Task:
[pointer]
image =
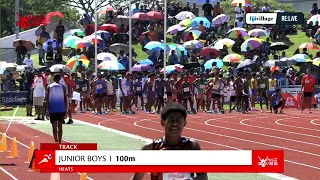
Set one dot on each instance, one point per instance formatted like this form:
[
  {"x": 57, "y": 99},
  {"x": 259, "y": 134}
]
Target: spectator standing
[
  {"x": 58, "y": 57},
  {"x": 266, "y": 8},
  {"x": 136, "y": 9},
  {"x": 207, "y": 8},
  {"x": 28, "y": 61},
  {"x": 10, "y": 83},
  {"x": 187, "y": 8},
  {"x": 49, "y": 56},
  {"x": 195, "y": 9},
  {"x": 21, "y": 51},
  {"x": 60, "y": 30},
  {"x": 153, "y": 57},
  {"x": 184, "y": 59},
  {"x": 239, "y": 11},
  {"x": 256, "y": 8},
  {"x": 217, "y": 10},
  {"x": 39, "y": 94},
  {"x": 44, "y": 36},
  {"x": 173, "y": 58}
]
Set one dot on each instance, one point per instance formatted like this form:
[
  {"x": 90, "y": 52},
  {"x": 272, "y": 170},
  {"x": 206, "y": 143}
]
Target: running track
[{"x": 297, "y": 134}]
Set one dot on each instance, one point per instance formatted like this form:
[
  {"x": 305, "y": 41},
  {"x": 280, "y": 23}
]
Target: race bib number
[
  {"x": 307, "y": 81},
  {"x": 262, "y": 85},
  {"x": 272, "y": 89},
  {"x": 99, "y": 86},
  {"x": 138, "y": 88},
  {"x": 215, "y": 87},
  {"x": 175, "y": 176},
  {"x": 202, "y": 86},
  {"x": 77, "y": 86},
  {"x": 84, "y": 88},
  {"x": 186, "y": 89}
]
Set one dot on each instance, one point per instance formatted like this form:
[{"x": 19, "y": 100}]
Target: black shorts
[
  {"x": 186, "y": 98},
  {"x": 232, "y": 98},
  {"x": 160, "y": 98},
  {"x": 307, "y": 94},
  {"x": 239, "y": 96},
  {"x": 56, "y": 117},
  {"x": 169, "y": 93},
  {"x": 276, "y": 107},
  {"x": 215, "y": 95},
  {"x": 100, "y": 96}
]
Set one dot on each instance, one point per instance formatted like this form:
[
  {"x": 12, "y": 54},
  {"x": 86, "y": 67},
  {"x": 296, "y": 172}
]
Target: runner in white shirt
[
  {"x": 239, "y": 11},
  {"x": 28, "y": 61}
]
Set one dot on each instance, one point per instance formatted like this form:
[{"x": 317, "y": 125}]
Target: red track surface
[
  {"x": 20, "y": 169},
  {"x": 297, "y": 134}
]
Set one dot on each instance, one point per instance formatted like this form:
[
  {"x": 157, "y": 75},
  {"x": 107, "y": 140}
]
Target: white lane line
[
  {"x": 14, "y": 178},
  {"x": 313, "y": 122},
  {"x": 310, "y": 129},
  {"x": 271, "y": 129},
  {"x": 259, "y": 134}
]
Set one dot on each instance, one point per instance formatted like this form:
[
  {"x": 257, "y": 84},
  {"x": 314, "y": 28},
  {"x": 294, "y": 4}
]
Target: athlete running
[{"x": 173, "y": 119}]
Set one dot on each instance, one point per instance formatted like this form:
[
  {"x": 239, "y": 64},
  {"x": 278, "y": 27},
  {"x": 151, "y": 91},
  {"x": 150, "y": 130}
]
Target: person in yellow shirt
[
  {"x": 43, "y": 37},
  {"x": 272, "y": 86}
]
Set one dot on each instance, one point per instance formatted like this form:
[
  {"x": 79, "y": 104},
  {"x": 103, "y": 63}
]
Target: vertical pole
[
  {"x": 17, "y": 18},
  {"x": 95, "y": 34},
  {"x": 165, "y": 39},
  {"x": 130, "y": 38}
]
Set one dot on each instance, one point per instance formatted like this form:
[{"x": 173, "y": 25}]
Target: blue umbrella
[
  {"x": 54, "y": 44},
  {"x": 208, "y": 64},
  {"x": 196, "y": 22},
  {"x": 111, "y": 66},
  {"x": 146, "y": 61}
]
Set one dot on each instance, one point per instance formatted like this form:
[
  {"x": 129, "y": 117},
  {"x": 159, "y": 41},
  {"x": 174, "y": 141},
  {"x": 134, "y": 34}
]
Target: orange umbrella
[
  {"x": 28, "y": 44},
  {"x": 309, "y": 46}
]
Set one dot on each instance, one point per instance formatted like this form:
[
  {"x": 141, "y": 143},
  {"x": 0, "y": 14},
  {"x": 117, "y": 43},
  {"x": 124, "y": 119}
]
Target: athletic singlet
[
  {"x": 78, "y": 84},
  {"x": 186, "y": 90},
  {"x": 84, "y": 85},
  {"x": 123, "y": 84},
  {"x": 138, "y": 86},
  {"x": 99, "y": 86},
  {"x": 216, "y": 86},
  {"x": 276, "y": 99},
  {"x": 272, "y": 84},
  {"x": 56, "y": 98},
  {"x": 109, "y": 87},
  {"x": 201, "y": 85},
  {"x": 185, "y": 144},
  {"x": 160, "y": 88},
  {"x": 231, "y": 89},
  {"x": 151, "y": 89},
  {"x": 128, "y": 86}
]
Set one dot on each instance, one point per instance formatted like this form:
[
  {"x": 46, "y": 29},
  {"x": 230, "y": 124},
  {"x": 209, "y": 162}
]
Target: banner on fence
[{"x": 14, "y": 98}]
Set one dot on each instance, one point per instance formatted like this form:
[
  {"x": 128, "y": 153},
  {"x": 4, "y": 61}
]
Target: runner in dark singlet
[
  {"x": 173, "y": 119},
  {"x": 238, "y": 83}
]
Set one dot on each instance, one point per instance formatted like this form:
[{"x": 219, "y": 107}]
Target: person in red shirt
[{"x": 308, "y": 83}]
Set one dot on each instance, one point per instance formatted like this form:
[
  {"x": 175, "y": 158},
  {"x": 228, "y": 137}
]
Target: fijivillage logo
[{"x": 30, "y": 20}]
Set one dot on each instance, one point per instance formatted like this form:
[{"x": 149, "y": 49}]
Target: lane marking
[
  {"x": 277, "y": 122},
  {"x": 14, "y": 178},
  {"x": 313, "y": 122}
]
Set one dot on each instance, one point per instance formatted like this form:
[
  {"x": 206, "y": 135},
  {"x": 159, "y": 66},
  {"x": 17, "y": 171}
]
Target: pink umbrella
[
  {"x": 155, "y": 15},
  {"x": 141, "y": 16}
]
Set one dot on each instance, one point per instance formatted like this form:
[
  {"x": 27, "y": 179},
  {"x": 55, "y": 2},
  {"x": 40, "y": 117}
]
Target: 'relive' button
[{"x": 287, "y": 18}]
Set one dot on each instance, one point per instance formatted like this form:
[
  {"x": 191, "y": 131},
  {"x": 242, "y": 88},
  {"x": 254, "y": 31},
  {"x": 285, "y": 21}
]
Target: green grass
[
  {"x": 79, "y": 133},
  {"x": 20, "y": 112}
]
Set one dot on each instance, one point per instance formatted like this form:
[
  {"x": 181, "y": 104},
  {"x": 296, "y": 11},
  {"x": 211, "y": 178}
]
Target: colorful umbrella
[
  {"x": 193, "y": 44},
  {"x": 142, "y": 67},
  {"x": 186, "y": 22},
  {"x": 106, "y": 57},
  {"x": 172, "y": 68},
  {"x": 236, "y": 3},
  {"x": 206, "y": 51},
  {"x": 223, "y": 42},
  {"x": 258, "y": 33},
  {"x": 102, "y": 34},
  {"x": 314, "y": 19},
  {"x": 178, "y": 49},
  {"x": 196, "y": 22},
  {"x": 316, "y": 62},
  {"x": 71, "y": 40},
  {"x": 111, "y": 66},
  {"x": 235, "y": 32},
  {"x": 154, "y": 45},
  {"x": 117, "y": 47},
  {"x": 74, "y": 62},
  {"x": 112, "y": 28},
  {"x": 28, "y": 44},
  {"x": 155, "y": 15},
  {"x": 106, "y": 9},
  {"x": 59, "y": 67},
  {"x": 246, "y": 63},
  {"x": 195, "y": 33},
  {"x": 220, "y": 19},
  {"x": 213, "y": 62},
  {"x": 301, "y": 58},
  {"x": 145, "y": 61},
  {"x": 185, "y": 15},
  {"x": 141, "y": 16},
  {"x": 252, "y": 43},
  {"x": 232, "y": 58},
  {"x": 176, "y": 28},
  {"x": 81, "y": 44},
  {"x": 74, "y": 32},
  {"x": 120, "y": 19},
  {"x": 309, "y": 46},
  {"x": 92, "y": 38},
  {"x": 53, "y": 17},
  {"x": 54, "y": 44}
]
